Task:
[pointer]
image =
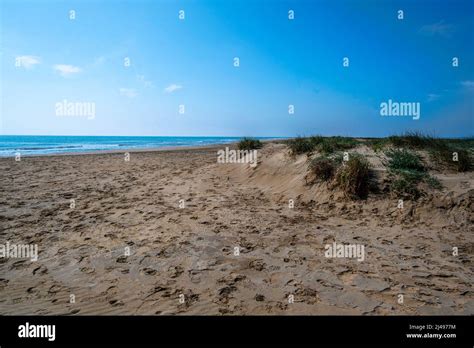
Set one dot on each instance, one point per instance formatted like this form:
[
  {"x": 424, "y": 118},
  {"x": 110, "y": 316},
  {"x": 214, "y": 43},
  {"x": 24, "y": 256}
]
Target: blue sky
[{"x": 282, "y": 62}]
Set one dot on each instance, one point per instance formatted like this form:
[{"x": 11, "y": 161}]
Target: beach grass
[
  {"x": 249, "y": 144},
  {"x": 403, "y": 157},
  {"x": 353, "y": 177},
  {"x": 324, "y": 145}
]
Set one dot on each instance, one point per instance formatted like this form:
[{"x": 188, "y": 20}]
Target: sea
[{"x": 34, "y": 145}]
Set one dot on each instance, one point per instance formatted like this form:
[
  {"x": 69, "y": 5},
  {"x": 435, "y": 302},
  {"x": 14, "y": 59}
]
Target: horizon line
[{"x": 230, "y": 136}]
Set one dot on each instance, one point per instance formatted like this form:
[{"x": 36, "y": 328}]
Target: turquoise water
[{"x": 30, "y": 145}]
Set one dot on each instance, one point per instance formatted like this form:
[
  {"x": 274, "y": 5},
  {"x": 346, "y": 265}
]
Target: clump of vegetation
[
  {"x": 333, "y": 144},
  {"x": 406, "y": 169},
  {"x": 325, "y": 145},
  {"x": 323, "y": 168},
  {"x": 300, "y": 146},
  {"x": 454, "y": 157},
  {"x": 441, "y": 150},
  {"x": 249, "y": 144},
  {"x": 414, "y": 140},
  {"x": 404, "y": 160},
  {"x": 404, "y": 186},
  {"x": 377, "y": 144},
  {"x": 353, "y": 177},
  {"x": 406, "y": 173},
  {"x": 433, "y": 182}
]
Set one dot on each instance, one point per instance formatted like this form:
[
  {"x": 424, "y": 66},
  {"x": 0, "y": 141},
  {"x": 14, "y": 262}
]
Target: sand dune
[{"x": 190, "y": 250}]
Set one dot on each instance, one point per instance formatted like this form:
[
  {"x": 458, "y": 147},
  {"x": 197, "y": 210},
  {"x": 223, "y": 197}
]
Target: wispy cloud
[
  {"x": 128, "y": 92},
  {"x": 99, "y": 61},
  {"x": 67, "y": 70},
  {"x": 143, "y": 80},
  {"x": 439, "y": 28},
  {"x": 468, "y": 84},
  {"x": 27, "y": 62},
  {"x": 173, "y": 87},
  {"x": 433, "y": 97}
]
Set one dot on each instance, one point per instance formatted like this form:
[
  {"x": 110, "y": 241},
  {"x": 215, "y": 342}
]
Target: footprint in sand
[
  {"x": 116, "y": 303},
  {"x": 87, "y": 270},
  {"x": 40, "y": 270},
  {"x": 224, "y": 293},
  {"x": 122, "y": 259},
  {"x": 175, "y": 271},
  {"x": 54, "y": 289},
  {"x": 3, "y": 283},
  {"x": 257, "y": 265},
  {"x": 148, "y": 271},
  {"x": 18, "y": 265}
]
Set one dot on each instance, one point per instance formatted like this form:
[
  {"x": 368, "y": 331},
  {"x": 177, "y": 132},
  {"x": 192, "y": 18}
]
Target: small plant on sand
[
  {"x": 332, "y": 144},
  {"x": 433, "y": 182},
  {"x": 323, "y": 168},
  {"x": 326, "y": 147},
  {"x": 464, "y": 162},
  {"x": 404, "y": 186},
  {"x": 377, "y": 144},
  {"x": 299, "y": 146},
  {"x": 404, "y": 160},
  {"x": 316, "y": 140},
  {"x": 249, "y": 144},
  {"x": 406, "y": 172},
  {"x": 353, "y": 177},
  {"x": 447, "y": 156}
]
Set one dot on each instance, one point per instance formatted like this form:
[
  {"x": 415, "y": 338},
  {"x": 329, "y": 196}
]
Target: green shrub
[
  {"x": 377, "y": 144},
  {"x": 441, "y": 150},
  {"x": 404, "y": 160},
  {"x": 323, "y": 168},
  {"x": 249, "y": 144},
  {"x": 446, "y": 156},
  {"x": 325, "y": 145},
  {"x": 405, "y": 186},
  {"x": 406, "y": 172},
  {"x": 464, "y": 162},
  {"x": 316, "y": 140},
  {"x": 300, "y": 146},
  {"x": 333, "y": 144},
  {"x": 433, "y": 182},
  {"x": 353, "y": 177},
  {"x": 416, "y": 140}
]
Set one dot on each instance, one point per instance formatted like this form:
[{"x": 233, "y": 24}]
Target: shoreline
[{"x": 141, "y": 150}]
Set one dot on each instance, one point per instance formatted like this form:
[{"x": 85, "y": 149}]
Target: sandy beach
[{"x": 158, "y": 235}]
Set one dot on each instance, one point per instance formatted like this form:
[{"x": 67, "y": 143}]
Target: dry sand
[{"x": 190, "y": 251}]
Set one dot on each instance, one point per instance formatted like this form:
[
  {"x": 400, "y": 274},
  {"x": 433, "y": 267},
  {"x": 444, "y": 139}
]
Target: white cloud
[
  {"x": 173, "y": 87},
  {"x": 439, "y": 28},
  {"x": 26, "y": 62},
  {"x": 128, "y": 92},
  {"x": 66, "y": 70}
]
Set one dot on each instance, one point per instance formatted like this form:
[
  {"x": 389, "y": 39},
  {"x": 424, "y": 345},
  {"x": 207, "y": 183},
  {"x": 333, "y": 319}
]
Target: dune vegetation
[{"x": 410, "y": 161}]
